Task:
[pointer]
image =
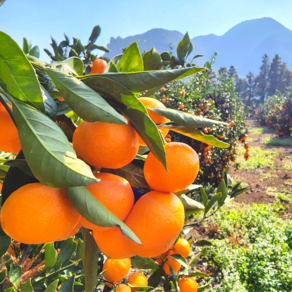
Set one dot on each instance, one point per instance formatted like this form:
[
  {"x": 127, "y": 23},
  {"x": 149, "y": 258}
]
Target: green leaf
[
  {"x": 145, "y": 288},
  {"x": 68, "y": 285},
  {"x": 198, "y": 275},
  {"x": 17, "y": 74},
  {"x": 3, "y": 275},
  {"x": 203, "y": 242},
  {"x": 53, "y": 286},
  {"x": 204, "y": 287},
  {"x": 148, "y": 131},
  {"x": 143, "y": 263},
  {"x": 25, "y": 46},
  {"x": 188, "y": 190},
  {"x": 155, "y": 279},
  {"x": 204, "y": 196},
  {"x": 75, "y": 64},
  {"x": 185, "y": 119},
  {"x": 15, "y": 275},
  {"x": 90, "y": 260},
  {"x": 79, "y": 249},
  {"x": 195, "y": 134},
  {"x": 194, "y": 261},
  {"x": 191, "y": 205},
  {"x": 84, "y": 101},
  {"x": 95, "y": 212},
  {"x": 165, "y": 56},
  {"x": 180, "y": 259},
  {"x": 152, "y": 60},
  {"x": 212, "y": 201},
  {"x": 131, "y": 60},
  {"x": 90, "y": 47},
  {"x": 114, "y": 61},
  {"x": 67, "y": 249},
  {"x": 35, "y": 51},
  {"x": 140, "y": 81},
  {"x": 95, "y": 33},
  {"x": 47, "y": 150},
  {"x": 5, "y": 242},
  {"x": 51, "y": 255},
  {"x": 224, "y": 191},
  {"x": 27, "y": 287},
  {"x": 11, "y": 289},
  {"x": 116, "y": 92},
  {"x": 183, "y": 46},
  {"x": 239, "y": 192},
  {"x": 50, "y": 105}
]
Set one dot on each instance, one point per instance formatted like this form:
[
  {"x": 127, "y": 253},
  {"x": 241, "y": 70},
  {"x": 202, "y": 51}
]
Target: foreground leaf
[
  {"x": 143, "y": 263},
  {"x": 67, "y": 249},
  {"x": 196, "y": 134},
  {"x": 51, "y": 255},
  {"x": 75, "y": 64},
  {"x": 5, "y": 242},
  {"x": 26, "y": 287},
  {"x": 84, "y": 101},
  {"x": 52, "y": 287},
  {"x": 95, "y": 212},
  {"x": 15, "y": 275},
  {"x": 152, "y": 60},
  {"x": 191, "y": 205},
  {"x": 68, "y": 285},
  {"x": 140, "y": 81},
  {"x": 3, "y": 275},
  {"x": 47, "y": 151},
  {"x": 17, "y": 74}
]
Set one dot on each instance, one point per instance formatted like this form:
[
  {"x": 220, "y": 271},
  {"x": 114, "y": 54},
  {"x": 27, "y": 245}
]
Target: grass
[
  {"x": 258, "y": 158},
  {"x": 287, "y": 166},
  {"x": 266, "y": 176},
  {"x": 282, "y": 196},
  {"x": 249, "y": 139},
  {"x": 278, "y": 141},
  {"x": 288, "y": 182},
  {"x": 259, "y": 131}
]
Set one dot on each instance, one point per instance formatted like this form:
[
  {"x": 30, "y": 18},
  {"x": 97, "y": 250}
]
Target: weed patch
[{"x": 278, "y": 141}]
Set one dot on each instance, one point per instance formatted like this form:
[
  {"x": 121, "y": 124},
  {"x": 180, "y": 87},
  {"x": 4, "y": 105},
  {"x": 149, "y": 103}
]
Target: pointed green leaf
[
  {"x": 5, "y": 242},
  {"x": 25, "y": 46},
  {"x": 180, "y": 259},
  {"x": 90, "y": 47},
  {"x": 188, "y": 189},
  {"x": 68, "y": 285},
  {"x": 36, "y": 62},
  {"x": 148, "y": 131},
  {"x": 35, "y": 51},
  {"x": 95, "y": 33},
  {"x": 115, "y": 61},
  {"x": 140, "y": 81},
  {"x": 183, "y": 46},
  {"x": 67, "y": 249},
  {"x": 190, "y": 49},
  {"x": 204, "y": 196},
  {"x": 198, "y": 275},
  {"x": 90, "y": 260},
  {"x": 239, "y": 192},
  {"x": 11, "y": 289},
  {"x": 15, "y": 275},
  {"x": 47, "y": 150},
  {"x": 155, "y": 279},
  {"x": 3, "y": 275},
  {"x": 152, "y": 60},
  {"x": 131, "y": 60},
  {"x": 212, "y": 201},
  {"x": 51, "y": 255},
  {"x": 196, "y": 134},
  {"x": 194, "y": 261},
  {"x": 95, "y": 212},
  {"x": 79, "y": 249},
  {"x": 50, "y": 105},
  {"x": 143, "y": 263},
  {"x": 84, "y": 101},
  {"x": 53, "y": 286},
  {"x": 165, "y": 56},
  {"x": 224, "y": 191},
  {"x": 203, "y": 242},
  {"x": 26, "y": 287},
  {"x": 185, "y": 119},
  {"x": 17, "y": 75},
  {"x": 75, "y": 64},
  {"x": 190, "y": 204}
]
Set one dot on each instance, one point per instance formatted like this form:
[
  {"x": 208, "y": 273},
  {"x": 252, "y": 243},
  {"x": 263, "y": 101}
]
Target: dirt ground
[{"x": 280, "y": 178}]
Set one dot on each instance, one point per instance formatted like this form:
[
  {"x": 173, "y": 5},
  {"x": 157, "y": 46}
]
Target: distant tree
[
  {"x": 241, "y": 87},
  {"x": 262, "y": 78},
  {"x": 251, "y": 84},
  {"x": 285, "y": 78},
  {"x": 223, "y": 72},
  {"x": 274, "y": 75},
  {"x": 232, "y": 73}
]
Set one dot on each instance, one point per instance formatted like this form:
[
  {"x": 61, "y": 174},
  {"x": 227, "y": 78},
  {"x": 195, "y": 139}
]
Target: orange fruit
[
  {"x": 111, "y": 177},
  {"x": 36, "y": 214},
  {"x": 152, "y": 102},
  {"x": 116, "y": 270},
  {"x": 1, "y": 185},
  {"x": 171, "y": 262},
  {"x": 105, "y": 145},
  {"x": 113, "y": 243},
  {"x": 118, "y": 198},
  {"x": 188, "y": 284},
  {"x": 9, "y": 141},
  {"x": 182, "y": 247},
  {"x": 72, "y": 232},
  {"x": 157, "y": 219},
  {"x": 61, "y": 98},
  {"x": 137, "y": 280},
  {"x": 183, "y": 167},
  {"x": 98, "y": 66},
  {"x": 181, "y": 106},
  {"x": 123, "y": 288},
  {"x": 163, "y": 256}
]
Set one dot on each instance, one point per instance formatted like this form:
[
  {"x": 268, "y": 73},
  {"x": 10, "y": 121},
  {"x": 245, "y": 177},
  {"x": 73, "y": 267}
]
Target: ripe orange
[
  {"x": 182, "y": 247},
  {"x": 171, "y": 262},
  {"x": 116, "y": 270},
  {"x": 123, "y": 288},
  {"x": 188, "y": 284},
  {"x": 116, "y": 197},
  {"x": 111, "y": 177},
  {"x": 36, "y": 214},
  {"x": 137, "y": 280},
  {"x": 157, "y": 219},
  {"x": 9, "y": 141},
  {"x": 72, "y": 232},
  {"x": 113, "y": 243},
  {"x": 183, "y": 166},
  {"x": 105, "y": 145},
  {"x": 98, "y": 66}
]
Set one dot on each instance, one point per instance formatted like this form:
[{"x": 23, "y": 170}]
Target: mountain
[{"x": 242, "y": 46}]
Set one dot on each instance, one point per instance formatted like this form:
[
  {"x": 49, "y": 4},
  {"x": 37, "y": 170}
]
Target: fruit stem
[{"x": 7, "y": 108}]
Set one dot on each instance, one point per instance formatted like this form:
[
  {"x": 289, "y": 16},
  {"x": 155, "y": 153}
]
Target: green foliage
[
  {"x": 251, "y": 250},
  {"x": 278, "y": 142}
]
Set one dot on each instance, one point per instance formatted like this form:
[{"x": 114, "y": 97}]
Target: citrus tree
[{"x": 77, "y": 151}]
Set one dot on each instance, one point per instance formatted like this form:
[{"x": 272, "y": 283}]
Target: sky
[{"x": 38, "y": 20}]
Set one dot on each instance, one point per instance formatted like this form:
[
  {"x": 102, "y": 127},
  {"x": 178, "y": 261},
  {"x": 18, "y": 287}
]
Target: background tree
[
  {"x": 274, "y": 75},
  {"x": 285, "y": 78},
  {"x": 262, "y": 78},
  {"x": 232, "y": 72},
  {"x": 251, "y": 84}
]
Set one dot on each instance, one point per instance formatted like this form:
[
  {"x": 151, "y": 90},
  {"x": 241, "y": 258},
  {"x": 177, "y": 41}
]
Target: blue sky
[{"x": 38, "y": 20}]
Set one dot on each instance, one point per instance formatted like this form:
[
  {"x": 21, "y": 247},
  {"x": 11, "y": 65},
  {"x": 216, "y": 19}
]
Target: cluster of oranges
[
  {"x": 157, "y": 218},
  {"x": 246, "y": 154}
]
